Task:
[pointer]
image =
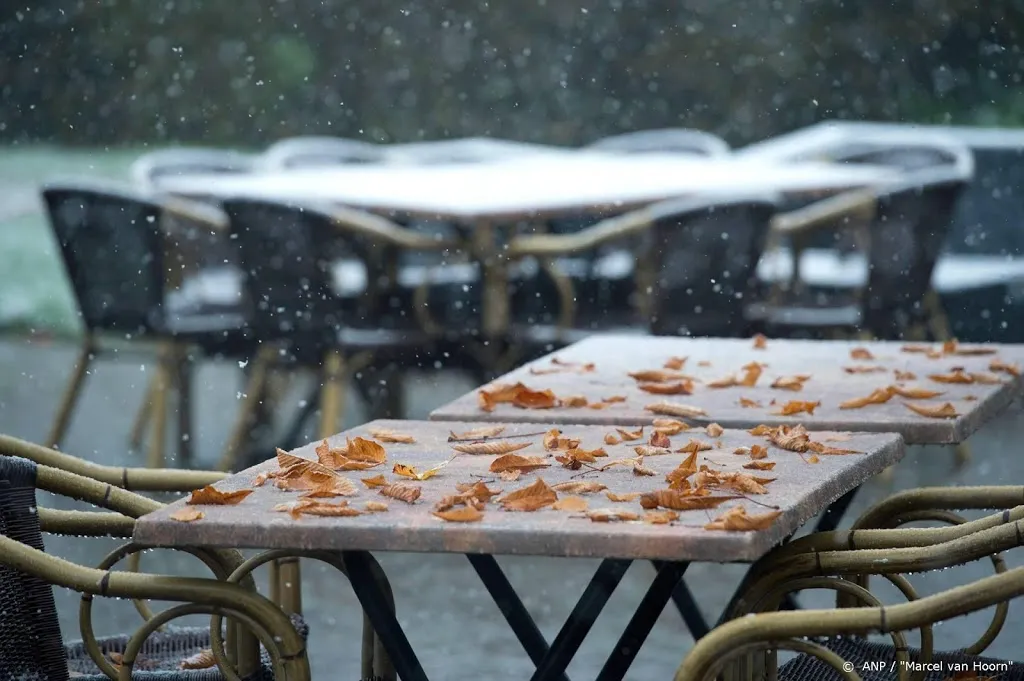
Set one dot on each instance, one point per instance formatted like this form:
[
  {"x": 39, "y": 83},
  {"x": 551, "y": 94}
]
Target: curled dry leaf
[
  {"x": 401, "y": 491},
  {"x": 936, "y": 411},
  {"x": 460, "y": 514},
  {"x": 575, "y": 458},
  {"x": 496, "y": 447},
  {"x": 983, "y": 378},
  {"x": 322, "y": 509},
  {"x": 409, "y": 472},
  {"x": 367, "y": 451},
  {"x": 759, "y": 465},
  {"x": 878, "y": 396},
  {"x": 913, "y": 393},
  {"x": 570, "y": 402},
  {"x": 953, "y": 347},
  {"x": 790, "y": 438},
  {"x": 630, "y": 435},
  {"x": 676, "y": 500},
  {"x": 354, "y": 456},
  {"x": 524, "y": 464},
  {"x": 572, "y": 504},
  {"x": 517, "y": 395},
  {"x": 612, "y": 496},
  {"x": 639, "y": 470},
  {"x": 375, "y": 481},
  {"x": 749, "y": 404},
  {"x": 794, "y": 407},
  {"x": 211, "y": 496},
  {"x": 553, "y": 441},
  {"x": 794, "y": 383},
  {"x": 611, "y": 439},
  {"x": 904, "y": 375},
  {"x": 511, "y": 475},
  {"x": 659, "y": 439},
  {"x": 530, "y": 498},
  {"x": 742, "y": 451},
  {"x": 955, "y": 376},
  {"x": 737, "y": 520},
  {"x": 824, "y": 449},
  {"x": 204, "y": 659},
  {"x": 729, "y": 381},
  {"x": 321, "y": 493},
  {"x": 477, "y": 490},
  {"x": 611, "y": 515},
  {"x": 1001, "y": 367},
  {"x": 658, "y": 376},
  {"x": 391, "y": 437},
  {"x": 758, "y": 452},
  {"x": 260, "y": 479},
  {"x": 476, "y": 433},
  {"x": 375, "y": 506},
  {"x": 660, "y": 517},
  {"x": 714, "y": 430},
  {"x": 677, "y": 388},
  {"x": 685, "y": 469},
  {"x": 675, "y": 409},
  {"x": 579, "y": 487},
  {"x": 675, "y": 363},
  {"x": 861, "y": 353},
  {"x": 647, "y": 450},
  {"x": 760, "y": 342},
  {"x": 751, "y": 374},
  {"x": 694, "y": 446},
  {"x": 669, "y": 426},
  {"x": 187, "y": 514},
  {"x": 864, "y": 369},
  {"x": 916, "y": 349}
]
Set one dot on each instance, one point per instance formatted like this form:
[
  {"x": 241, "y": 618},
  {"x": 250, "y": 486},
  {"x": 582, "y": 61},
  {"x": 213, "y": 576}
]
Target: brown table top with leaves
[
  {"x": 665, "y": 491},
  {"x": 929, "y": 393}
]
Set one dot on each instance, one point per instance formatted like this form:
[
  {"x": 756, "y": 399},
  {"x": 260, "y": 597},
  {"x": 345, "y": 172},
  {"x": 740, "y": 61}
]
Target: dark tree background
[{"x": 217, "y": 72}]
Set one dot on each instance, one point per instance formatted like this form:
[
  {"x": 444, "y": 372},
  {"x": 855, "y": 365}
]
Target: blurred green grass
[{"x": 34, "y": 292}]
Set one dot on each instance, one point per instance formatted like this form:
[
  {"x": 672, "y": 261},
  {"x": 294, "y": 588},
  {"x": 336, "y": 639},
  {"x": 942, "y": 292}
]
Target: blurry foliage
[{"x": 205, "y": 71}]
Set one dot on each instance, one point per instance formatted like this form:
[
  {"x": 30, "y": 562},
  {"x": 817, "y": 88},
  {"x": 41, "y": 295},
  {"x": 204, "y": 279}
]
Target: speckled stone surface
[
  {"x": 801, "y": 490},
  {"x": 711, "y": 359}
]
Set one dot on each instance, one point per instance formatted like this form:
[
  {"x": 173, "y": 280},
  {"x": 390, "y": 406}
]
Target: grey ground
[{"x": 451, "y": 622}]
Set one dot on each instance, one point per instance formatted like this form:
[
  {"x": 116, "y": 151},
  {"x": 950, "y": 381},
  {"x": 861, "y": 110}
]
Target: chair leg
[
  {"x": 142, "y": 418},
  {"x": 72, "y": 392},
  {"x": 163, "y": 382},
  {"x": 332, "y": 393},
  {"x": 254, "y": 392},
  {"x": 183, "y": 386},
  {"x": 962, "y": 454}
]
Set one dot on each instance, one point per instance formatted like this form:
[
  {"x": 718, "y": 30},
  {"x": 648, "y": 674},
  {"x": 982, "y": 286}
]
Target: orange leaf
[
  {"x": 460, "y": 514},
  {"x": 477, "y": 490},
  {"x": 639, "y": 470},
  {"x": 861, "y": 353},
  {"x": 952, "y": 347},
  {"x": 760, "y": 465},
  {"x": 579, "y": 487},
  {"x": 611, "y": 515},
  {"x": 916, "y": 349},
  {"x": 204, "y": 659},
  {"x": 211, "y": 496},
  {"x": 677, "y": 501},
  {"x": 390, "y": 436},
  {"x": 830, "y": 451},
  {"x": 367, "y": 451},
  {"x": 657, "y": 376},
  {"x": 498, "y": 394},
  {"x": 1000, "y": 366},
  {"x": 982, "y": 378},
  {"x": 553, "y": 441},
  {"x": 497, "y": 447},
  {"x": 400, "y": 491},
  {"x": 647, "y": 450},
  {"x": 516, "y": 462},
  {"x": 714, "y": 430},
  {"x": 630, "y": 435},
  {"x": 760, "y": 342},
  {"x": 675, "y": 409},
  {"x": 694, "y": 446},
  {"x": 726, "y": 382},
  {"x": 914, "y": 393},
  {"x": 793, "y": 439},
  {"x": 632, "y": 496},
  {"x": 511, "y": 475},
  {"x": 904, "y": 375},
  {"x": 737, "y": 520},
  {"x": 954, "y": 376},
  {"x": 572, "y": 504},
  {"x": 530, "y": 498},
  {"x": 338, "y": 458},
  {"x": 794, "y": 383},
  {"x": 758, "y": 452},
  {"x": 797, "y": 407},
  {"x": 323, "y": 509},
  {"x": 879, "y": 396},
  {"x": 678, "y": 388},
  {"x": 410, "y": 472},
  {"x": 863, "y": 369},
  {"x": 659, "y": 439},
  {"x": 751, "y": 374},
  {"x": 938, "y": 411},
  {"x": 669, "y": 426},
  {"x": 749, "y": 404},
  {"x": 611, "y": 439},
  {"x": 525, "y": 398},
  {"x": 375, "y": 481},
  {"x": 321, "y": 493},
  {"x": 477, "y": 433},
  {"x": 571, "y": 402},
  {"x": 375, "y": 506},
  {"x": 660, "y": 517},
  {"x": 187, "y": 514},
  {"x": 675, "y": 363}
]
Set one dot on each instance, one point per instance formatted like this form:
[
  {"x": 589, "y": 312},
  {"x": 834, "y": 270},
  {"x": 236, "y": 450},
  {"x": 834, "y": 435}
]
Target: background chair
[
  {"x": 150, "y": 169},
  {"x": 131, "y": 285},
  {"x": 316, "y": 152},
  {"x": 667, "y": 140}
]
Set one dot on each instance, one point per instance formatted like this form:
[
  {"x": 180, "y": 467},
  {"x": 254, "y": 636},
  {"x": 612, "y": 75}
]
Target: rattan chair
[
  {"x": 316, "y": 152},
  {"x": 667, "y": 140},
  {"x": 149, "y": 170},
  {"x": 842, "y": 561},
  {"x": 132, "y": 285}
]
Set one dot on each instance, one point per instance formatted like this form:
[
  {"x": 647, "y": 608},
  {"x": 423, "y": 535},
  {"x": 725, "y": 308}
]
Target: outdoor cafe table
[
  {"x": 800, "y": 490},
  {"x": 482, "y": 198}
]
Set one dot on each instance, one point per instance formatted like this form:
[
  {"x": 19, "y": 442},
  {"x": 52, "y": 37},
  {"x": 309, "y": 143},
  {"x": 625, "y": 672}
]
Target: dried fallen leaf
[
  {"x": 524, "y": 464},
  {"x": 794, "y": 383},
  {"x": 321, "y": 493},
  {"x": 476, "y": 433},
  {"x": 367, "y": 455},
  {"x": 864, "y": 369},
  {"x": 391, "y": 437},
  {"x": 955, "y": 376},
  {"x": 572, "y": 402},
  {"x": 630, "y": 435},
  {"x": 953, "y": 347},
  {"x": 375, "y": 506},
  {"x": 660, "y": 517},
  {"x": 397, "y": 490},
  {"x": 677, "y": 388},
  {"x": 511, "y": 475},
  {"x": 211, "y": 496},
  {"x": 983, "y": 378},
  {"x": 648, "y": 450},
  {"x": 1001, "y": 367},
  {"x": 204, "y": 659},
  {"x": 749, "y": 404},
  {"x": 477, "y": 490},
  {"x": 187, "y": 514},
  {"x": 916, "y": 349},
  {"x": 659, "y": 439},
  {"x": 675, "y": 363},
  {"x": 579, "y": 487},
  {"x": 861, "y": 353},
  {"x": 904, "y": 375},
  {"x": 675, "y": 409},
  {"x": 694, "y": 446},
  {"x": 878, "y": 396},
  {"x": 758, "y": 452},
  {"x": 611, "y": 515},
  {"x": 632, "y": 496},
  {"x": 553, "y": 441},
  {"x": 725, "y": 382},
  {"x": 496, "y": 447},
  {"x": 375, "y": 481},
  {"x": 572, "y": 504},
  {"x": 737, "y": 520},
  {"x": 759, "y": 465},
  {"x": 760, "y": 342},
  {"x": 676, "y": 500},
  {"x": 657, "y": 376},
  {"x": 324, "y": 509},
  {"x": 530, "y": 498},
  {"x": 751, "y": 374},
  {"x": 794, "y": 407},
  {"x": 460, "y": 514},
  {"x": 611, "y": 439},
  {"x": 367, "y": 451},
  {"x": 640, "y": 471},
  {"x": 913, "y": 393},
  {"x": 669, "y": 426},
  {"x": 261, "y": 479},
  {"x": 714, "y": 430},
  {"x": 793, "y": 439},
  {"x": 824, "y": 449},
  {"x": 409, "y": 472},
  {"x": 938, "y": 411}
]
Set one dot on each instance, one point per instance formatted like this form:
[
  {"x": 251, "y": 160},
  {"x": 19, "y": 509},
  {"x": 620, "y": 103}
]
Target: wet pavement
[{"x": 451, "y": 622}]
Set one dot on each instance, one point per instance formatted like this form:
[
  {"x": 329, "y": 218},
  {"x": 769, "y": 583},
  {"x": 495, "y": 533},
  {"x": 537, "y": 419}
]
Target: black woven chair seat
[
  {"x": 162, "y": 655},
  {"x": 863, "y": 654}
]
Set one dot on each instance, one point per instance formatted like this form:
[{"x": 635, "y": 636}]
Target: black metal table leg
[
  {"x": 511, "y": 607},
  {"x": 371, "y": 598},
  {"x": 687, "y": 606},
  {"x": 663, "y": 588},
  {"x": 581, "y": 619}
]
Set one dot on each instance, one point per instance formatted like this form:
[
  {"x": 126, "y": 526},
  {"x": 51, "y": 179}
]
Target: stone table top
[
  {"x": 803, "y": 486},
  {"x": 598, "y": 368}
]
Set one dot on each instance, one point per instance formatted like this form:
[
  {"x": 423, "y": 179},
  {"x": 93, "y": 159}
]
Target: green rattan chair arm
[
  {"x": 718, "y": 646},
  {"x": 859, "y": 205},
  {"x": 882, "y": 514},
  {"x": 555, "y": 245},
  {"x": 85, "y": 523},
  {"x": 140, "y": 479}
]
